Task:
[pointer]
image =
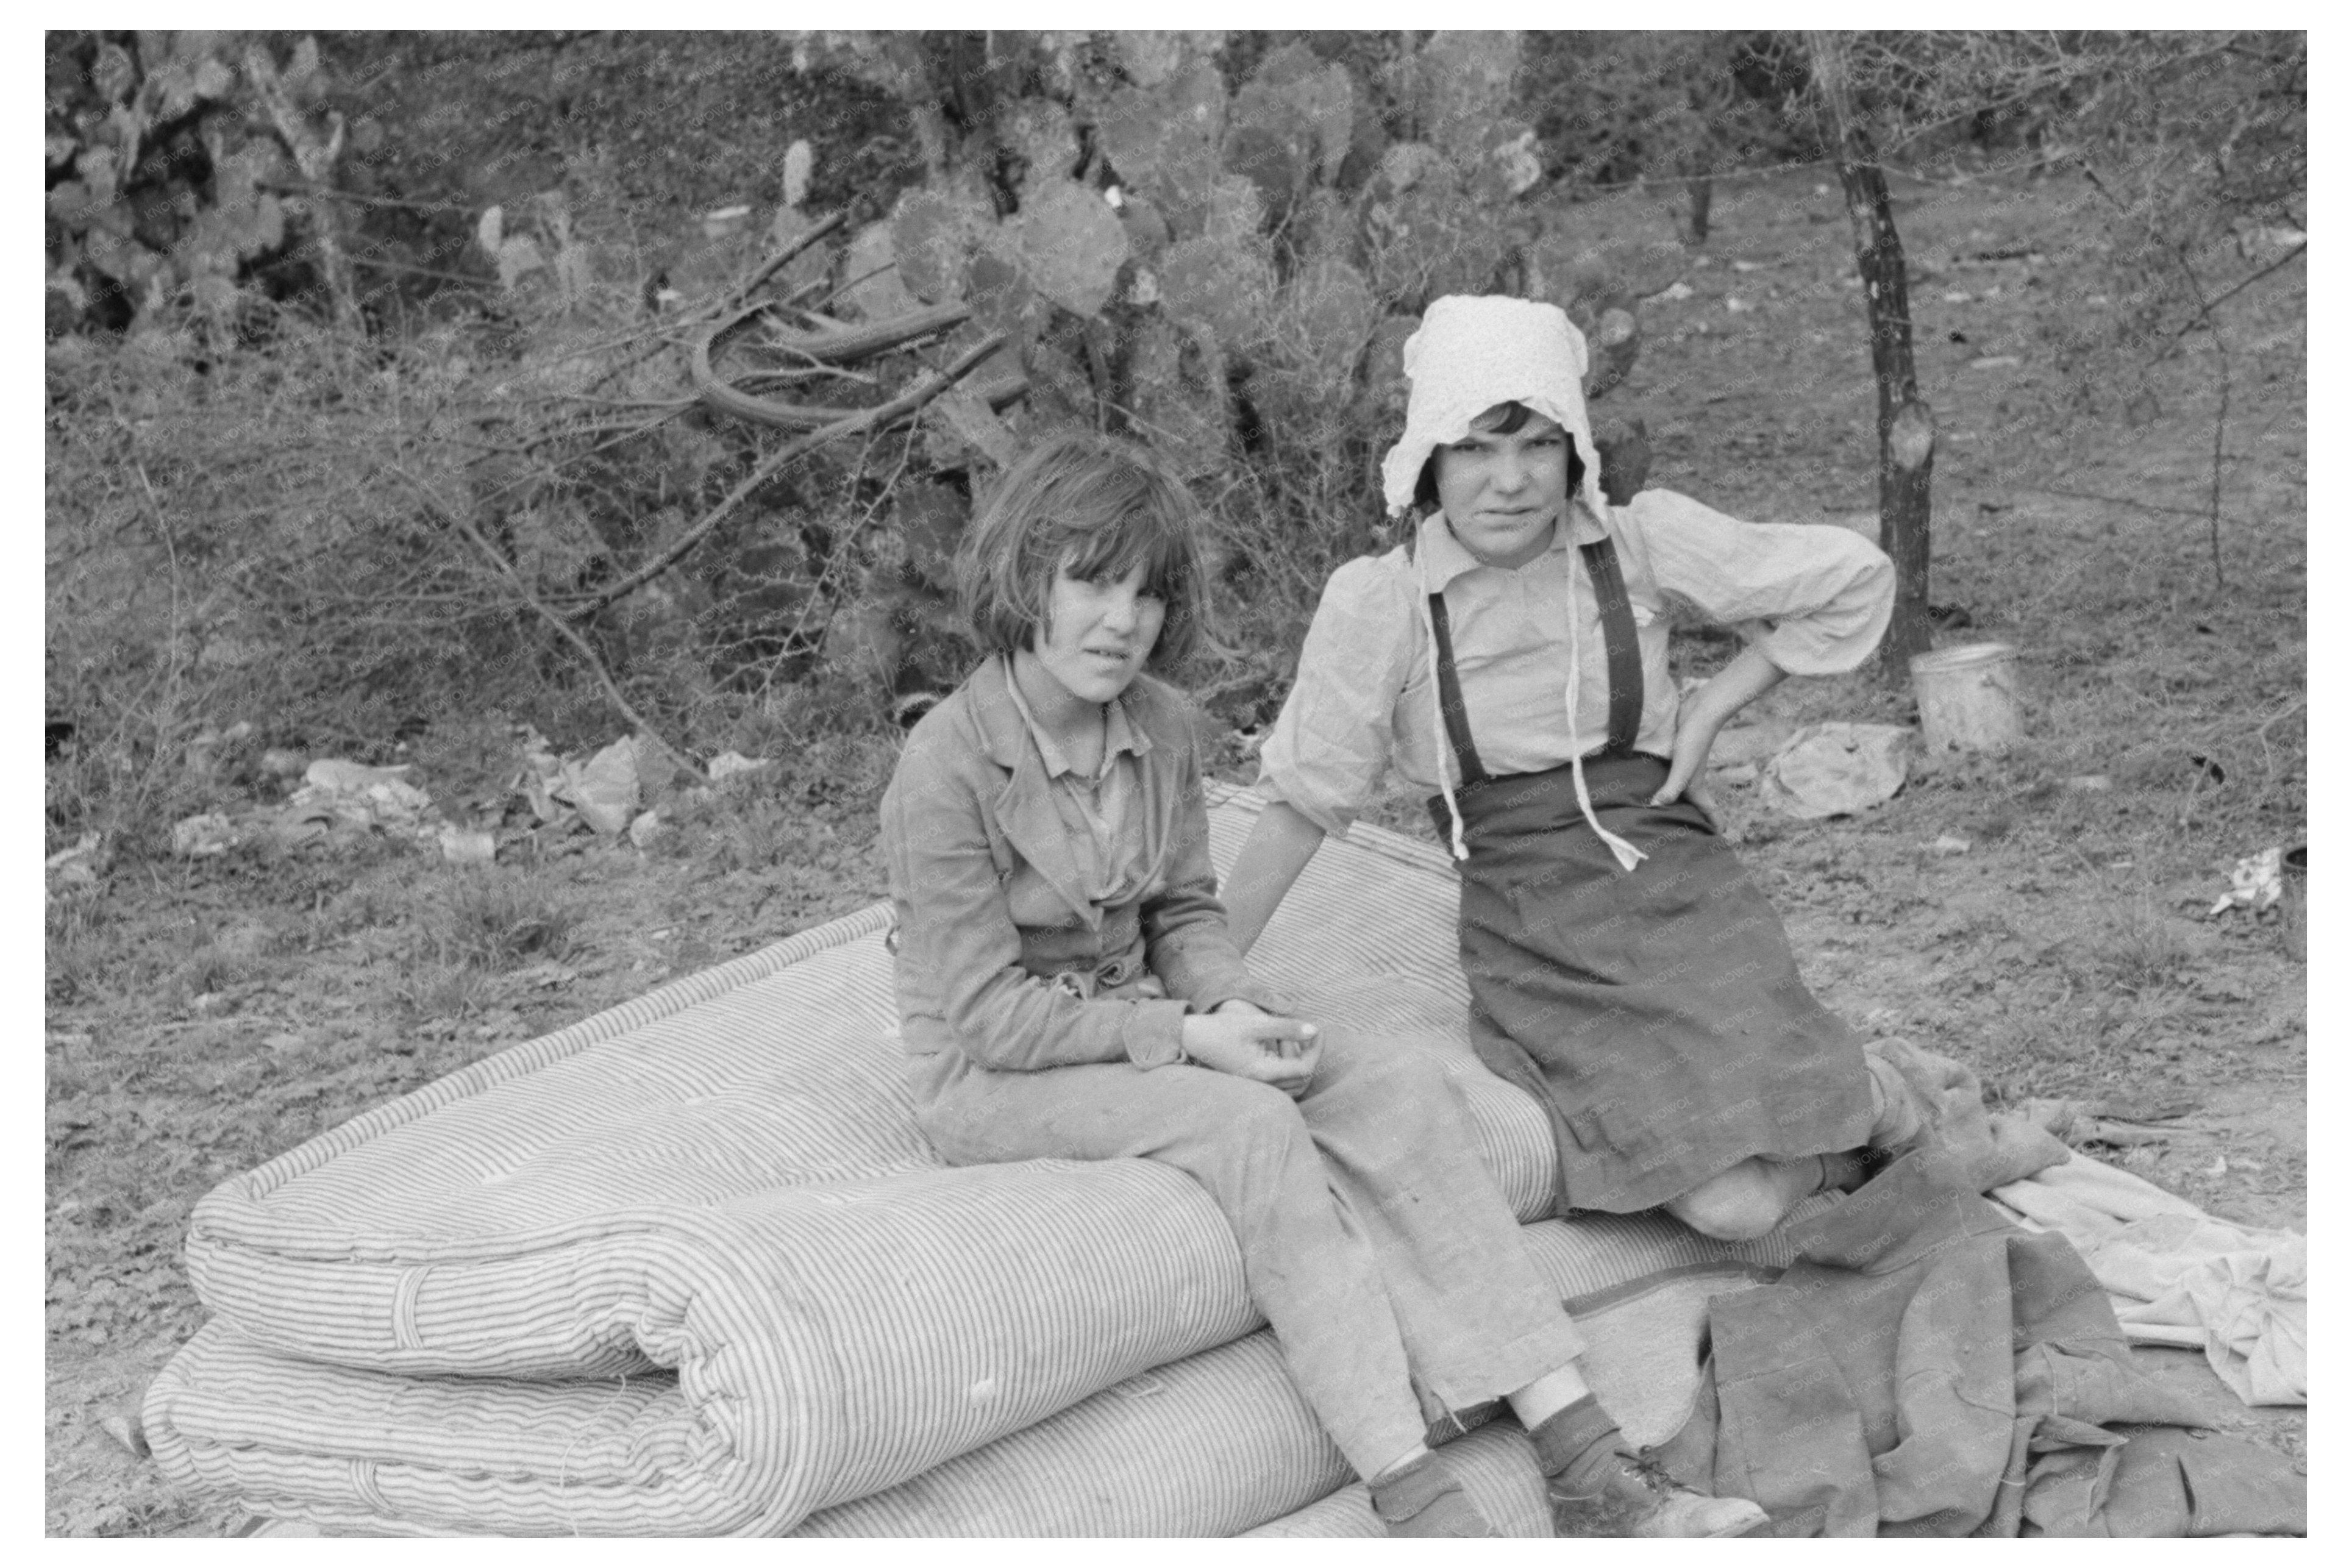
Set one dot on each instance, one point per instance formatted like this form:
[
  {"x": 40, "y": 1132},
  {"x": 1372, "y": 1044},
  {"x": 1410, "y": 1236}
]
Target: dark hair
[
  {"x": 1095, "y": 507},
  {"x": 1503, "y": 419}
]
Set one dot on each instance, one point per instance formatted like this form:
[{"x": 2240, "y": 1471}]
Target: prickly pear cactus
[{"x": 133, "y": 222}]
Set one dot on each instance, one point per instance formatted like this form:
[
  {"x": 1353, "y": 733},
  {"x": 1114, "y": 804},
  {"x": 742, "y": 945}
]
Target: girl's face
[
  {"x": 1097, "y": 633},
  {"x": 1503, "y": 493}
]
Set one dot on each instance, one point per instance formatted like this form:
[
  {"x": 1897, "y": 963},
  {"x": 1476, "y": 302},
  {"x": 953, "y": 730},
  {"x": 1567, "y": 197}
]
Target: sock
[
  {"x": 1425, "y": 1497},
  {"x": 1575, "y": 1445}
]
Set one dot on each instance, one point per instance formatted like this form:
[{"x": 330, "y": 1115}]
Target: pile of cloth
[{"x": 688, "y": 1267}]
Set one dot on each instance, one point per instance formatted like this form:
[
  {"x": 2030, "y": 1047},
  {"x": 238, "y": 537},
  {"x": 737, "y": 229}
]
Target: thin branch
[
  {"x": 2113, "y": 500},
  {"x": 580, "y": 643},
  {"x": 769, "y": 267},
  {"x": 865, "y": 419},
  {"x": 2240, "y": 286}
]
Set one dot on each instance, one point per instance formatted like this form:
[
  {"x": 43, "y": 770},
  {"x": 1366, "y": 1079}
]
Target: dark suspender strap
[
  {"x": 1623, "y": 647},
  {"x": 1449, "y": 696}
]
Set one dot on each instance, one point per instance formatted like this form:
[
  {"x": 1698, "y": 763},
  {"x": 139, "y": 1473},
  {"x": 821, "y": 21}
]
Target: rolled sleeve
[
  {"x": 1818, "y": 595},
  {"x": 1153, "y": 1032},
  {"x": 1331, "y": 745}
]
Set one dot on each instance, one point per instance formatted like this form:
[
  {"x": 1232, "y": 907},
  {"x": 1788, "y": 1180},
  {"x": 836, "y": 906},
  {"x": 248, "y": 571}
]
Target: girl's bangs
[{"x": 1138, "y": 535}]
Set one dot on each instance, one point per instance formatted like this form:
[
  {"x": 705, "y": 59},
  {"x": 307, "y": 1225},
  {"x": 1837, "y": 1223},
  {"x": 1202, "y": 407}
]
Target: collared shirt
[
  {"x": 970, "y": 828},
  {"x": 1814, "y": 597},
  {"x": 1097, "y": 813}
]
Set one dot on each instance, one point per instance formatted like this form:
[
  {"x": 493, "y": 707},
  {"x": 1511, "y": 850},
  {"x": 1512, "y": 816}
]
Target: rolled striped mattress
[{"x": 689, "y": 1267}]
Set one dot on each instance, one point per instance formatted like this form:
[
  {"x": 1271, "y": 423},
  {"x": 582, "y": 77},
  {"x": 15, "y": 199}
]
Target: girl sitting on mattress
[
  {"x": 1066, "y": 988},
  {"x": 1510, "y": 657}
]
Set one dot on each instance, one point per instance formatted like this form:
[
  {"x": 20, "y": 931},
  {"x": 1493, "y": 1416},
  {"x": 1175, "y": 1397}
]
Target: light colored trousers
[{"x": 1371, "y": 1235}]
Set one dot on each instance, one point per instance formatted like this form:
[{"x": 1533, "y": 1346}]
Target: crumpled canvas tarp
[
  {"x": 1926, "y": 1367},
  {"x": 2178, "y": 1276}
]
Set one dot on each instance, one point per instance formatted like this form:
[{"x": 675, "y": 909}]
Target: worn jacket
[{"x": 966, "y": 812}]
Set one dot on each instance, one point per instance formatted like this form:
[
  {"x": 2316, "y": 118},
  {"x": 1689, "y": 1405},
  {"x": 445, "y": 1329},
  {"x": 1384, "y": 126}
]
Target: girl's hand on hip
[
  {"x": 1704, "y": 712},
  {"x": 1238, "y": 1038},
  {"x": 1686, "y": 776}
]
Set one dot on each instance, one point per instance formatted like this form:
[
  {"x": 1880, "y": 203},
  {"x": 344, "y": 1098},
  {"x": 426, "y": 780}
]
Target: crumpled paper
[
  {"x": 726, "y": 764},
  {"x": 206, "y": 833},
  {"x": 71, "y": 866},
  {"x": 336, "y": 789},
  {"x": 2253, "y": 883},
  {"x": 1833, "y": 769},
  {"x": 603, "y": 789}
]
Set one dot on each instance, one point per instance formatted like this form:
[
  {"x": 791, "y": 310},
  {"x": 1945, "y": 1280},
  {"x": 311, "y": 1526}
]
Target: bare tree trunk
[
  {"x": 1701, "y": 191},
  {"x": 1907, "y": 428}
]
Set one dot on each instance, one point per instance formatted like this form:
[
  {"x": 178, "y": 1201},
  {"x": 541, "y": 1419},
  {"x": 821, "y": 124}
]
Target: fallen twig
[
  {"x": 563, "y": 628},
  {"x": 863, "y": 419},
  {"x": 2240, "y": 286},
  {"x": 768, "y": 267},
  {"x": 2113, "y": 500}
]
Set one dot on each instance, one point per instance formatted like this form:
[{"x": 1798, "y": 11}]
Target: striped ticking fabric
[
  {"x": 709, "y": 1215},
  {"x": 1218, "y": 1442},
  {"x": 1497, "y": 1466}
]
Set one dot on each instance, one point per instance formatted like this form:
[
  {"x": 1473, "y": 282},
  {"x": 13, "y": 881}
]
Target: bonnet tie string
[{"x": 1628, "y": 857}]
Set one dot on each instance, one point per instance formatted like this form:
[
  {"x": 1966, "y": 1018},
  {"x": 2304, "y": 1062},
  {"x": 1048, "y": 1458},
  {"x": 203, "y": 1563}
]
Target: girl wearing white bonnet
[{"x": 1510, "y": 658}]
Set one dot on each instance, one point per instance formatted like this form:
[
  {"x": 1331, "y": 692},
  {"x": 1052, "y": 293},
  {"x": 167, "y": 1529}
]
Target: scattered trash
[
  {"x": 1995, "y": 362},
  {"x": 362, "y": 795},
  {"x": 542, "y": 772},
  {"x": 726, "y": 764},
  {"x": 2094, "y": 784},
  {"x": 207, "y": 833},
  {"x": 1967, "y": 699},
  {"x": 1833, "y": 769},
  {"x": 603, "y": 789},
  {"x": 2219, "y": 1167},
  {"x": 1952, "y": 844},
  {"x": 648, "y": 828},
  {"x": 1738, "y": 265},
  {"x": 72, "y": 866},
  {"x": 300, "y": 824},
  {"x": 126, "y": 1430},
  {"x": 1677, "y": 291},
  {"x": 466, "y": 846},
  {"x": 1733, "y": 303},
  {"x": 1958, "y": 297},
  {"x": 2254, "y": 883}
]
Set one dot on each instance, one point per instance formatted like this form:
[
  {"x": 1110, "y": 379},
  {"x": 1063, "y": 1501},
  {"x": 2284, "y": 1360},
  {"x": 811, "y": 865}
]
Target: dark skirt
[{"x": 1657, "y": 1015}]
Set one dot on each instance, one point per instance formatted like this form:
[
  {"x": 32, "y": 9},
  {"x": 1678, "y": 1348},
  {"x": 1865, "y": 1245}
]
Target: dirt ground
[{"x": 2052, "y": 933}]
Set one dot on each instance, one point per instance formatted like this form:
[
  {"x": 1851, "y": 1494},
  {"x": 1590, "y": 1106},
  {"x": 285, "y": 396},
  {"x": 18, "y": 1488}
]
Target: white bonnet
[{"x": 1473, "y": 351}]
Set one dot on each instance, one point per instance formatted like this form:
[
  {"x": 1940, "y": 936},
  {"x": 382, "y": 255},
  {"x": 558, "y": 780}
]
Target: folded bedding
[
  {"x": 689, "y": 1266},
  {"x": 1216, "y": 1444}
]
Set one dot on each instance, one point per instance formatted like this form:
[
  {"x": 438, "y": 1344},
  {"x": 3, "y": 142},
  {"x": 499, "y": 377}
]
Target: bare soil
[{"x": 207, "y": 1014}]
